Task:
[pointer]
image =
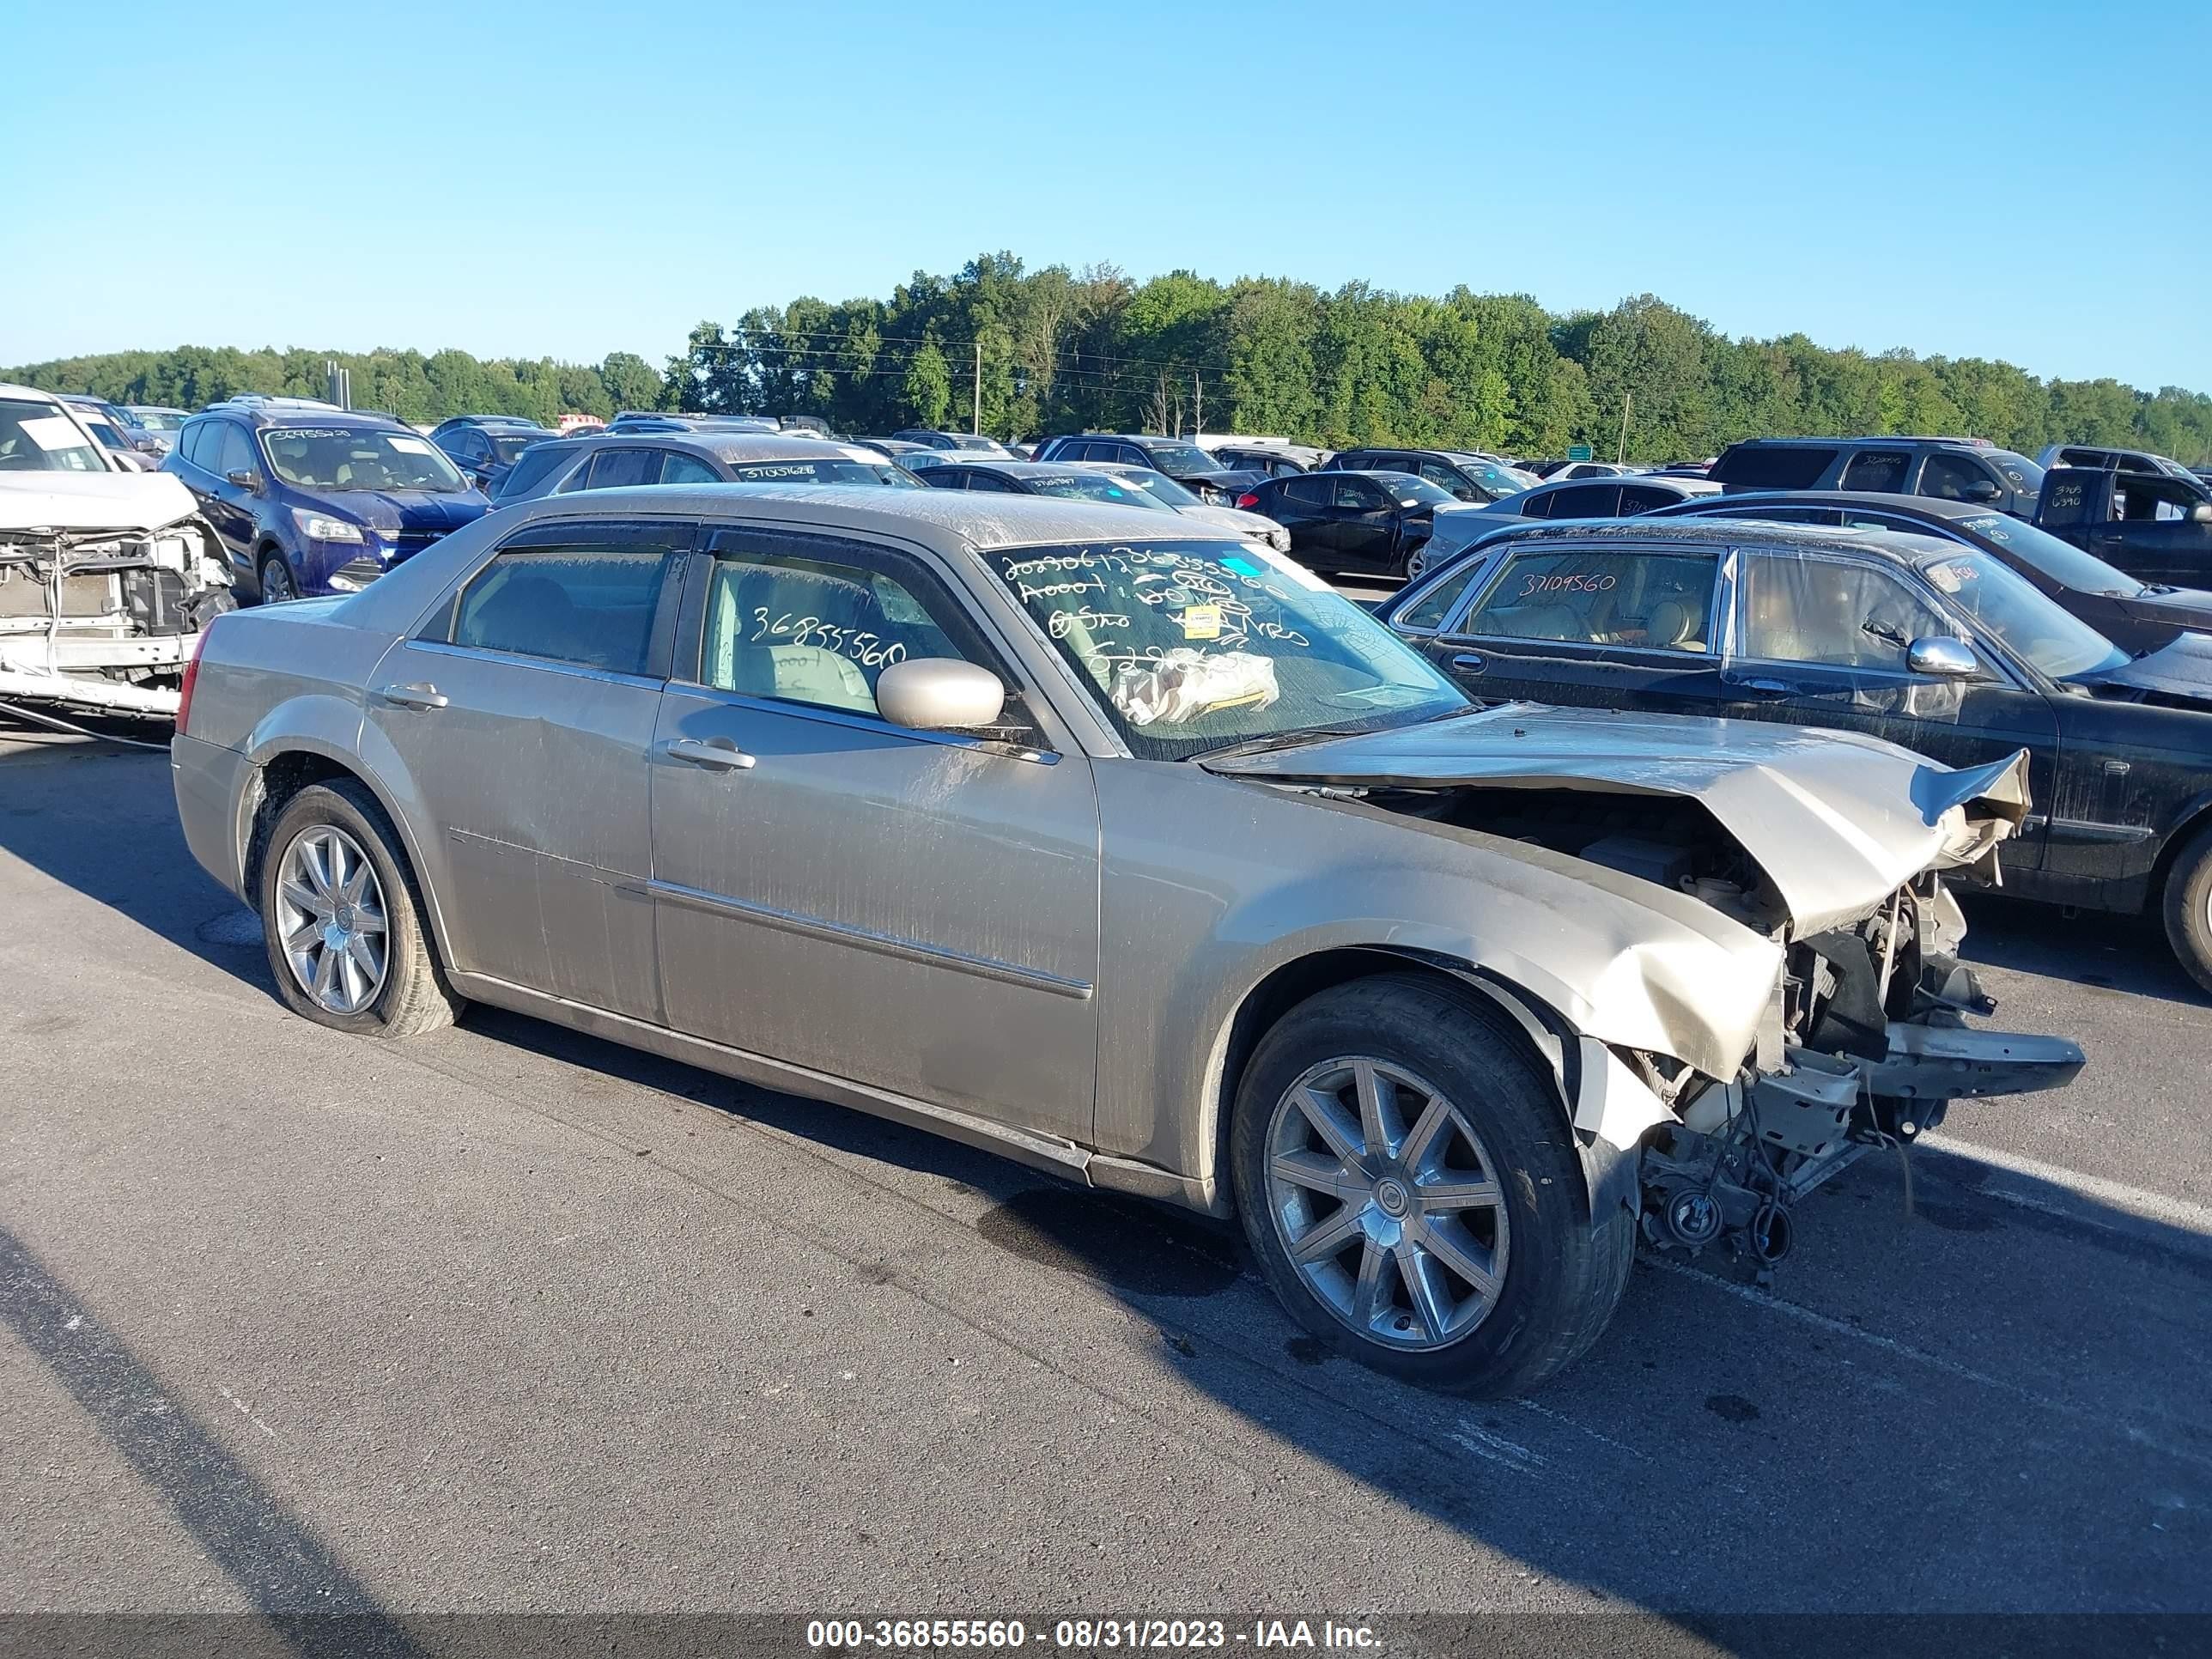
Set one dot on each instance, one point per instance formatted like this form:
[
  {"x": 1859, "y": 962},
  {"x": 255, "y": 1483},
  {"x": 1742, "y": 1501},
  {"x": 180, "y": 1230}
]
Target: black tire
[
  {"x": 1561, "y": 1279},
  {"x": 2188, "y": 908},
  {"x": 284, "y": 587},
  {"x": 414, "y": 997}
]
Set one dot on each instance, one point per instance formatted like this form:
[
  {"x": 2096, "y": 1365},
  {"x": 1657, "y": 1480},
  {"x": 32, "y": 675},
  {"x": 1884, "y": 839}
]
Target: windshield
[
  {"x": 153, "y": 419},
  {"x": 1093, "y": 487},
  {"x": 986, "y": 445},
  {"x": 1181, "y": 460},
  {"x": 2020, "y": 472},
  {"x": 1157, "y": 485},
  {"x": 339, "y": 458},
  {"x": 1189, "y": 646},
  {"x": 2002, "y": 601},
  {"x": 36, "y": 437},
  {"x": 1412, "y": 491},
  {"x": 102, "y": 429},
  {"x": 2064, "y": 562},
  {"x": 508, "y": 450},
  {"x": 825, "y": 472}
]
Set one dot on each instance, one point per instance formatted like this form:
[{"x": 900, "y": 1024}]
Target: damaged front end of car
[
  {"x": 1713, "y": 1102},
  {"x": 104, "y": 593}
]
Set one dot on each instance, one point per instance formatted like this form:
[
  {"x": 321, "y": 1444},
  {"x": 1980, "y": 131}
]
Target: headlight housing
[{"x": 321, "y": 527}]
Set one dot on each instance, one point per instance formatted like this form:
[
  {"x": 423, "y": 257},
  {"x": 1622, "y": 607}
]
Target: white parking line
[
  {"x": 2105, "y": 1418},
  {"x": 2099, "y": 1198}
]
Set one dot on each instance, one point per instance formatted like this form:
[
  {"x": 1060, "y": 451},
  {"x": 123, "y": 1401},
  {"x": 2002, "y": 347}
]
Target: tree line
[{"x": 1057, "y": 351}]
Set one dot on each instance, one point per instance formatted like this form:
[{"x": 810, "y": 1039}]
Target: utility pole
[
  {"x": 1621, "y": 455},
  {"x": 975, "y": 421},
  {"x": 1197, "y": 404}
]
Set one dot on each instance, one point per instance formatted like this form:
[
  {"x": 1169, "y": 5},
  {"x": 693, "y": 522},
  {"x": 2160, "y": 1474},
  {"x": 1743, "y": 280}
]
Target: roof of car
[
  {"x": 1899, "y": 438},
  {"x": 523, "y": 420},
  {"x": 985, "y": 521},
  {"x": 727, "y": 445},
  {"x": 1015, "y": 468},
  {"x": 284, "y": 413},
  {"x": 1935, "y": 507},
  {"x": 1735, "y": 532}
]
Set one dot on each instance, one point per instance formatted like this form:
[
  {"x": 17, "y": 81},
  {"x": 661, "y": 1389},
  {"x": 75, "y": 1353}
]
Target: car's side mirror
[
  {"x": 1943, "y": 658},
  {"x": 245, "y": 478},
  {"x": 939, "y": 694},
  {"x": 2201, "y": 514},
  {"x": 1980, "y": 490}
]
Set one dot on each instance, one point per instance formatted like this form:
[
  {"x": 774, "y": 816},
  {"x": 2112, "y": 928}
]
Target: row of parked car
[{"x": 1957, "y": 599}]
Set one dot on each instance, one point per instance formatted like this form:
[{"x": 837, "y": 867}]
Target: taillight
[
  {"x": 1248, "y": 500},
  {"x": 192, "y": 678}
]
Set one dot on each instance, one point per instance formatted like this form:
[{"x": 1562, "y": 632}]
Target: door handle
[
  {"x": 424, "y": 697},
  {"x": 1468, "y": 660},
  {"x": 699, "y": 751},
  {"x": 1769, "y": 687}
]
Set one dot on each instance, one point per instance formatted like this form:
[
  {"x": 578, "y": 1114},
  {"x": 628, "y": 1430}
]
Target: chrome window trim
[
  {"x": 866, "y": 939},
  {"x": 574, "y": 669}
]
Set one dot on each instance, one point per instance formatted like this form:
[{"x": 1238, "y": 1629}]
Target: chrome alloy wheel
[
  {"x": 1390, "y": 1205},
  {"x": 1417, "y": 564},
  {"x": 330, "y": 920}
]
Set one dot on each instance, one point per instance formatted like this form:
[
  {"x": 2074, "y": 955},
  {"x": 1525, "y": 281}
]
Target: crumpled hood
[
  {"x": 92, "y": 501},
  {"x": 397, "y": 510},
  {"x": 2182, "y": 669},
  {"x": 1838, "y": 820}
]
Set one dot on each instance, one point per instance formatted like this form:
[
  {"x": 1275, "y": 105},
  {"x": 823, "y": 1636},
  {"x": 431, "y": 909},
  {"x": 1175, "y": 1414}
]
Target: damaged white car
[
  {"x": 1141, "y": 856},
  {"x": 107, "y": 575}
]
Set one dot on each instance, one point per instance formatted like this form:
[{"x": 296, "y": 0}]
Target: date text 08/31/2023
[{"x": 1086, "y": 1635}]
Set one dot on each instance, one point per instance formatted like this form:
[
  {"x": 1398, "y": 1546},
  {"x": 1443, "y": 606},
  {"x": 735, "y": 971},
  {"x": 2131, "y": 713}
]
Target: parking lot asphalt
[{"x": 511, "y": 1319}]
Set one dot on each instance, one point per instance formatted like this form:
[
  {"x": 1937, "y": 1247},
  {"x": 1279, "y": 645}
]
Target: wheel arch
[
  {"x": 282, "y": 767},
  {"x": 1537, "y": 1030},
  {"x": 2191, "y": 823}
]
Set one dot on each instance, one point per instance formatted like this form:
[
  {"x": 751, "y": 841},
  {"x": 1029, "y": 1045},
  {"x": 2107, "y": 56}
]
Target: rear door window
[
  {"x": 1585, "y": 501},
  {"x": 611, "y": 469},
  {"x": 533, "y": 469},
  {"x": 1774, "y": 466},
  {"x": 1648, "y": 601},
  {"x": 584, "y": 594},
  {"x": 1880, "y": 471}
]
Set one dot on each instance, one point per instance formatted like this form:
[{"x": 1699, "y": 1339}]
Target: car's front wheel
[
  {"x": 276, "y": 583},
  {"x": 1413, "y": 1193},
  {"x": 345, "y": 922},
  {"x": 2188, "y": 908}
]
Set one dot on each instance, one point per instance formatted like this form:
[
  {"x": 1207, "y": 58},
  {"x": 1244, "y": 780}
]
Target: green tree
[{"x": 928, "y": 386}]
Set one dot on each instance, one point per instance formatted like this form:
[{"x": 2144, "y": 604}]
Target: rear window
[
  {"x": 536, "y": 466},
  {"x": 1774, "y": 466},
  {"x": 825, "y": 473}
]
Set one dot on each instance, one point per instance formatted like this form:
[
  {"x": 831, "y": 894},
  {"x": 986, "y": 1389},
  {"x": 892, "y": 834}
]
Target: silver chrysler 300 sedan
[{"x": 1124, "y": 849}]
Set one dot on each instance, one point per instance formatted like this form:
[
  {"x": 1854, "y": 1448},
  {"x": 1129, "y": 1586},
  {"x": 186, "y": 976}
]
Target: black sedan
[
  {"x": 2138, "y": 617},
  {"x": 1936, "y": 646},
  {"x": 1351, "y": 520}
]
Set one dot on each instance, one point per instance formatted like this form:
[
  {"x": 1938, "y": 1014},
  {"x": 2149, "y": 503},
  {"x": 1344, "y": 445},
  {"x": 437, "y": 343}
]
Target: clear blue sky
[{"x": 2026, "y": 181}]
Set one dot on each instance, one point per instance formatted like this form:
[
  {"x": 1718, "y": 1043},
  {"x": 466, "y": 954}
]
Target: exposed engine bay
[
  {"x": 1864, "y": 1046},
  {"x": 105, "y": 615}
]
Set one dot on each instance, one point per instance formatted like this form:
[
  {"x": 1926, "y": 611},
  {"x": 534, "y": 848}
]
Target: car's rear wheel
[
  {"x": 343, "y": 919},
  {"x": 1413, "y": 1192},
  {"x": 2188, "y": 908},
  {"x": 276, "y": 583}
]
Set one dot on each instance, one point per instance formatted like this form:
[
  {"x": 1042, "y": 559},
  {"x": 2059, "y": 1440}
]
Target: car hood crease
[{"x": 1837, "y": 821}]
